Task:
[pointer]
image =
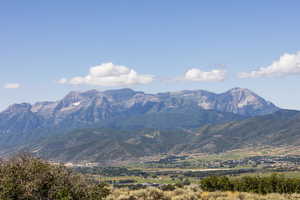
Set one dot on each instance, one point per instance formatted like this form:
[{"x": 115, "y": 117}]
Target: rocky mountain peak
[
  {"x": 245, "y": 102},
  {"x": 241, "y": 92},
  {"x": 90, "y": 93}
]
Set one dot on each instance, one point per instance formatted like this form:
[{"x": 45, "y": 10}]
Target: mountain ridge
[
  {"x": 93, "y": 106},
  {"x": 117, "y": 93},
  {"x": 127, "y": 109}
]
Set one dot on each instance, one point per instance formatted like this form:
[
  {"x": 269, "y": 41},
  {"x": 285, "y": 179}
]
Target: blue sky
[{"x": 42, "y": 42}]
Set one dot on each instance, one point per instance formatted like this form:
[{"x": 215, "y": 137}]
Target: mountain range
[{"x": 126, "y": 124}]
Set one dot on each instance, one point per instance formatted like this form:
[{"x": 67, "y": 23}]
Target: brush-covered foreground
[
  {"x": 26, "y": 178},
  {"x": 192, "y": 193}
]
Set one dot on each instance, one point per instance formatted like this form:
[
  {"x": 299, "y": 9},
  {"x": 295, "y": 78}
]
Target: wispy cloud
[
  {"x": 108, "y": 74},
  {"x": 12, "y": 86},
  {"x": 287, "y": 64},
  {"x": 62, "y": 81}
]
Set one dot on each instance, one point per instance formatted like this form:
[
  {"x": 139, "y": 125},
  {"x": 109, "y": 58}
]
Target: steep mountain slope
[
  {"x": 107, "y": 145},
  {"x": 110, "y": 145},
  {"x": 179, "y": 118},
  {"x": 280, "y": 128}
]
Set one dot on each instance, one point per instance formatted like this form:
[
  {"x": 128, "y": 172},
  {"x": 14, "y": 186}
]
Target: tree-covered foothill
[
  {"x": 253, "y": 184},
  {"x": 25, "y": 177}
]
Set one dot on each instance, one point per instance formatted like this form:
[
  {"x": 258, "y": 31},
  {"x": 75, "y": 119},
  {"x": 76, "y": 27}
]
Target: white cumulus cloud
[
  {"x": 195, "y": 74},
  {"x": 287, "y": 64},
  {"x": 12, "y": 86},
  {"x": 108, "y": 74}
]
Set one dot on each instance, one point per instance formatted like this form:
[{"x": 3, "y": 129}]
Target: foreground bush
[
  {"x": 25, "y": 177},
  {"x": 253, "y": 184}
]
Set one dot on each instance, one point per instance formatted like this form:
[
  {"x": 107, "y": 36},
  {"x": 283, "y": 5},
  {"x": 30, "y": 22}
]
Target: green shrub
[{"x": 25, "y": 177}]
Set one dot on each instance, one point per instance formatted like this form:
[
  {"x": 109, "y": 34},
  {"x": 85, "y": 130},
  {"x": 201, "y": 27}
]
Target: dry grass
[{"x": 192, "y": 193}]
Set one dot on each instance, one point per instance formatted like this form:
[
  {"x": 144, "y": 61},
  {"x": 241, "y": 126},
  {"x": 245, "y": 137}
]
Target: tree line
[{"x": 254, "y": 184}]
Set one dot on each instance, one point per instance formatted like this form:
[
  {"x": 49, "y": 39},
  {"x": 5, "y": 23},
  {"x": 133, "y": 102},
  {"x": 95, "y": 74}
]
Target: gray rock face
[
  {"x": 237, "y": 100},
  {"x": 244, "y": 102},
  {"x": 93, "y": 107},
  {"x": 19, "y": 118}
]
